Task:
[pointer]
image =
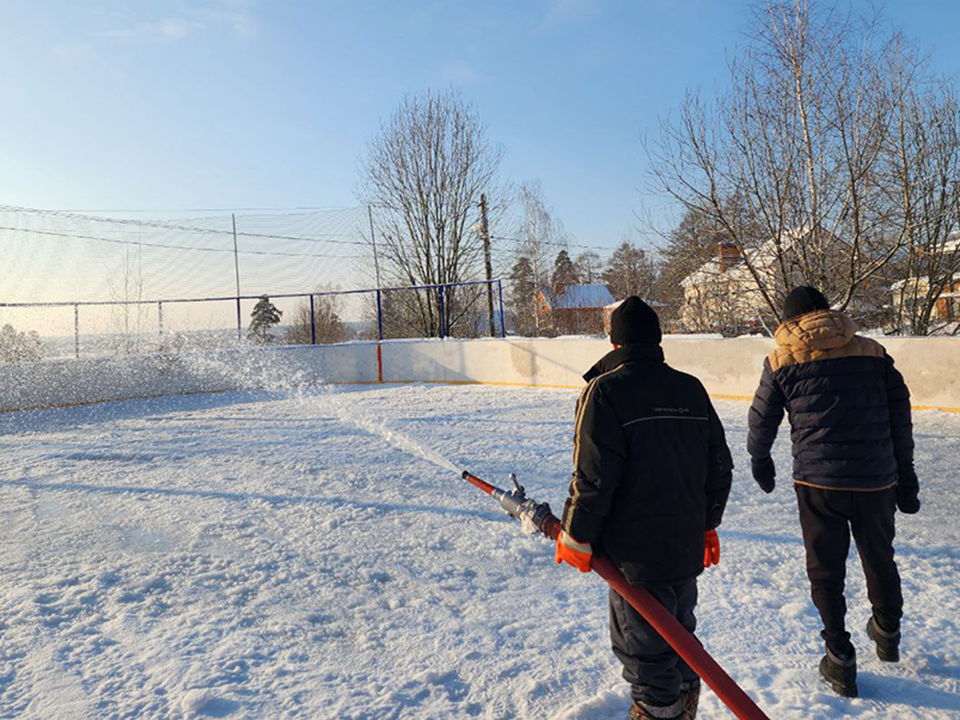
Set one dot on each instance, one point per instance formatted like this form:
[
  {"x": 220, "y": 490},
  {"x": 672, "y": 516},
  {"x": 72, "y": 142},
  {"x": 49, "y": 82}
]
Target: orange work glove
[
  {"x": 574, "y": 553},
  {"x": 711, "y": 549}
]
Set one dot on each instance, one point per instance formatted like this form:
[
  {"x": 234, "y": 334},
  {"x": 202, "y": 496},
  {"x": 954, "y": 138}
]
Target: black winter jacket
[
  {"x": 848, "y": 405},
  {"x": 652, "y": 469}
]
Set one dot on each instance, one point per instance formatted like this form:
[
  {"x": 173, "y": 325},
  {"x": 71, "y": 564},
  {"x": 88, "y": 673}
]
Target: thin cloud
[
  {"x": 458, "y": 72},
  {"x": 237, "y": 16},
  {"x": 177, "y": 28},
  {"x": 561, "y": 12},
  {"x": 161, "y": 31}
]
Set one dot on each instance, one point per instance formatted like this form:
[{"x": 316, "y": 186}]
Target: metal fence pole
[
  {"x": 76, "y": 331},
  {"x": 503, "y": 327},
  {"x": 443, "y": 317},
  {"x": 239, "y": 322},
  {"x": 379, "y": 336},
  {"x": 444, "y": 296},
  {"x": 447, "y": 305},
  {"x": 379, "y": 316}
]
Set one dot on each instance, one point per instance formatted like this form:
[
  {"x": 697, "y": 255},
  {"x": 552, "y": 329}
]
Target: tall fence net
[{"x": 84, "y": 285}]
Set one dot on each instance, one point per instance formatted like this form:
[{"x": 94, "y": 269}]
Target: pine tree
[
  {"x": 564, "y": 271},
  {"x": 629, "y": 272},
  {"x": 588, "y": 266},
  {"x": 264, "y": 316},
  {"x": 19, "y": 346},
  {"x": 523, "y": 290}
]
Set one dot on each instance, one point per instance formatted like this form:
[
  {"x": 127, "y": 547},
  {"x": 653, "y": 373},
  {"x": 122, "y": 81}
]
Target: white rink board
[{"x": 727, "y": 367}]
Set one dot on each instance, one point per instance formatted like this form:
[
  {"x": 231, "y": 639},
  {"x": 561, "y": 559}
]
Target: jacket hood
[
  {"x": 627, "y": 353},
  {"x": 817, "y": 330}
]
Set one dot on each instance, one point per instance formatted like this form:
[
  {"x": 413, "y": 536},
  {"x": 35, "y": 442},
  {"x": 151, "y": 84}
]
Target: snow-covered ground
[{"x": 268, "y": 555}]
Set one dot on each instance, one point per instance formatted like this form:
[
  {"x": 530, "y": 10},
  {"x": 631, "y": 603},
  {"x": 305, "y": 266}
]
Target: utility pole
[
  {"x": 373, "y": 239},
  {"x": 236, "y": 267},
  {"x": 485, "y": 232}
]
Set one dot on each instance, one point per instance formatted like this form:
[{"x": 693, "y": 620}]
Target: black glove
[
  {"x": 907, "y": 499},
  {"x": 764, "y": 473}
]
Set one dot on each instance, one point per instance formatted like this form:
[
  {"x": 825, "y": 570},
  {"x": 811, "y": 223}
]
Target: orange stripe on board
[
  {"x": 745, "y": 398},
  {"x": 921, "y": 408}
]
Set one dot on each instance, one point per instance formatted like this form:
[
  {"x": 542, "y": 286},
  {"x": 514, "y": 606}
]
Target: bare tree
[
  {"x": 541, "y": 235},
  {"x": 127, "y": 288},
  {"x": 325, "y": 324},
  {"x": 423, "y": 175},
  {"x": 925, "y": 150},
  {"x": 800, "y": 141}
]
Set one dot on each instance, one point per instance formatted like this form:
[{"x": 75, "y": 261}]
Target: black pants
[
  {"x": 827, "y": 517},
  {"x": 655, "y": 672}
]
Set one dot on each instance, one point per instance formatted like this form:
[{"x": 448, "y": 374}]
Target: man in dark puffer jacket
[
  {"x": 652, "y": 474},
  {"x": 853, "y": 465}
]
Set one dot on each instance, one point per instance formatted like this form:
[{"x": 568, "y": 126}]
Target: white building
[{"x": 946, "y": 307}]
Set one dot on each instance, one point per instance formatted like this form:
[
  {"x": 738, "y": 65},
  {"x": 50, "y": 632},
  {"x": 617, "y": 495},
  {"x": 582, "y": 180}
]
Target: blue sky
[{"x": 232, "y": 103}]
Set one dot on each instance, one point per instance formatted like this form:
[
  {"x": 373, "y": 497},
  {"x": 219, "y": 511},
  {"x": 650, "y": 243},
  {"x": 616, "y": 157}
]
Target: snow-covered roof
[
  {"x": 576, "y": 297},
  {"x": 764, "y": 255},
  {"x": 896, "y": 285}
]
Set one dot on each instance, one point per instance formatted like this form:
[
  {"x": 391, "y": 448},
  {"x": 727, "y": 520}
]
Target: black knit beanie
[
  {"x": 802, "y": 300},
  {"x": 634, "y": 322}
]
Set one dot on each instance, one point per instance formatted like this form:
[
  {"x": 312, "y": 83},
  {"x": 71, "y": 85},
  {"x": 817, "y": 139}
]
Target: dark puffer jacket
[
  {"x": 652, "y": 469},
  {"x": 848, "y": 405}
]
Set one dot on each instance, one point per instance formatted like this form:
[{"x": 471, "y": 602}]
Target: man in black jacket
[
  {"x": 651, "y": 477},
  {"x": 853, "y": 465}
]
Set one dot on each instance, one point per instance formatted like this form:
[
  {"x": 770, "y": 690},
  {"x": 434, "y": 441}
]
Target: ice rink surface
[{"x": 272, "y": 555}]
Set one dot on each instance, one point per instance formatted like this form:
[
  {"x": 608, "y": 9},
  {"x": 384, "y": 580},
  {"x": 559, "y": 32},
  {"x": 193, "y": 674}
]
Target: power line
[
  {"x": 295, "y": 208},
  {"x": 554, "y": 243},
  {"x": 138, "y": 243},
  {"x": 321, "y": 238},
  {"x": 157, "y": 224}
]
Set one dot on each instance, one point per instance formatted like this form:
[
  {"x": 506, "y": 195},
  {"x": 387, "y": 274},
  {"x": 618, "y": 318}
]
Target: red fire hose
[{"x": 663, "y": 622}]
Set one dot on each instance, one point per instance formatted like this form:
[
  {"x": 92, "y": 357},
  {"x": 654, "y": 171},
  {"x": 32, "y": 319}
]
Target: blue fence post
[
  {"x": 379, "y": 316},
  {"x": 443, "y": 317},
  {"x": 446, "y": 306},
  {"x": 503, "y": 327},
  {"x": 313, "y": 324}
]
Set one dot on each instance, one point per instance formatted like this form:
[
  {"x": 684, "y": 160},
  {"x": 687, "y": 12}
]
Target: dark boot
[
  {"x": 888, "y": 643},
  {"x": 641, "y": 711},
  {"x": 841, "y": 672},
  {"x": 690, "y": 698}
]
